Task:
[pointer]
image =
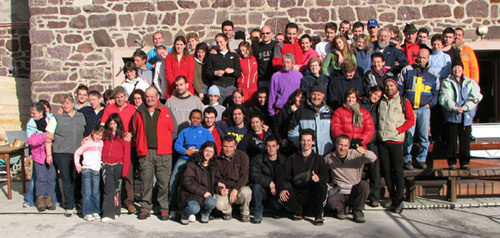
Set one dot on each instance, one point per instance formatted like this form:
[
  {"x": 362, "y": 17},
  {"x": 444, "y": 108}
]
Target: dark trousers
[
  {"x": 391, "y": 158},
  {"x": 314, "y": 198},
  {"x": 66, "y": 166},
  {"x": 261, "y": 194},
  {"x": 356, "y": 199},
  {"x": 45, "y": 179},
  {"x": 128, "y": 183},
  {"x": 437, "y": 119},
  {"x": 373, "y": 174},
  {"x": 159, "y": 166},
  {"x": 111, "y": 177},
  {"x": 463, "y": 133}
]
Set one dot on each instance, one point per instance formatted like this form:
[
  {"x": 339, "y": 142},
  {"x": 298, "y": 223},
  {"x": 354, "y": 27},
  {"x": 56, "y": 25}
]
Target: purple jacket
[
  {"x": 283, "y": 84},
  {"x": 37, "y": 145}
]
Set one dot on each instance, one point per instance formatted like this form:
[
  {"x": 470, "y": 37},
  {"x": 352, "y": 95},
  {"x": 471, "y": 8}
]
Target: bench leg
[
  {"x": 452, "y": 189},
  {"x": 411, "y": 191}
]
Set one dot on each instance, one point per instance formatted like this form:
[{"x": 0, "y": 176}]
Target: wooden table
[{"x": 7, "y": 153}]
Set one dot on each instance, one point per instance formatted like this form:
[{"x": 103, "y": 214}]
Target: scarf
[
  {"x": 357, "y": 117},
  {"x": 41, "y": 124}
]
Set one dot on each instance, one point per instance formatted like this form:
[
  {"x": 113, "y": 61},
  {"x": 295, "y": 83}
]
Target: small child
[
  {"x": 90, "y": 168},
  {"x": 116, "y": 163}
]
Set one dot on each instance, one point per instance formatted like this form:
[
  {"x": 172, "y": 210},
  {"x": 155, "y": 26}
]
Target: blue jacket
[
  {"x": 441, "y": 63},
  {"x": 391, "y": 55},
  {"x": 408, "y": 85},
  {"x": 465, "y": 95},
  {"x": 364, "y": 61},
  {"x": 192, "y": 136},
  {"x": 309, "y": 117}
]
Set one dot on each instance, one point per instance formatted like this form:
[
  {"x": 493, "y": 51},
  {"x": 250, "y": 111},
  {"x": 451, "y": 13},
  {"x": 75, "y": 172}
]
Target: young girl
[
  {"x": 200, "y": 58},
  {"x": 309, "y": 52},
  {"x": 247, "y": 82},
  {"x": 340, "y": 52},
  {"x": 363, "y": 51},
  {"x": 115, "y": 165},
  {"x": 132, "y": 80},
  {"x": 89, "y": 168},
  {"x": 177, "y": 63}
]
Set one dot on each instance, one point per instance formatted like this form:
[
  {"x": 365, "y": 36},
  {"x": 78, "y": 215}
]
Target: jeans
[
  {"x": 260, "y": 194},
  {"x": 179, "y": 168},
  {"x": 90, "y": 192},
  {"x": 45, "y": 184},
  {"x": 420, "y": 132},
  {"x": 64, "y": 162},
  {"x": 193, "y": 207},
  {"x": 112, "y": 182}
]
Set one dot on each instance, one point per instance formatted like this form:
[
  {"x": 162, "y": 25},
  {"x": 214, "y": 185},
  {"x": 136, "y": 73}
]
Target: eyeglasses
[{"x": 266, "y": 33}]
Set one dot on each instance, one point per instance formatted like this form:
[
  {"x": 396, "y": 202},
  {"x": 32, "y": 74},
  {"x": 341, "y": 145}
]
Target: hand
[
  {"x": 284, "y": 195},
  {"x": 340, "y": 59},
  {"x": 396, "y": 63},
  {"x": 127, "y": 137},
  {"x": 48, "y": 159},
  {"x": 387, "y": 67},
  {"x": 360, "y": 149},
  {"x": 297, "y": 67},
  {"x": 78, "y": 169},
  {"x": 272, "y": 186},
  {"x": 265, "y": 127},
  {"x": 219, "y": 73},
  {"x": 459, "y": 110},
  {"x": 191, "y": 150},
  {"x": 207, "y": 194},
  {"x": 229, "y": 70},
  {"x": 233, "y": 196},
  {"x": 315, "y": 177},
  {"x": 201, "y": 95},
  {"x": 85, "y": 139}
]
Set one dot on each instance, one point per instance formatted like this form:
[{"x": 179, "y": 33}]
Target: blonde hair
[
  {"x": 346, "y": 52},
  {"x": 368, "y": 45}
]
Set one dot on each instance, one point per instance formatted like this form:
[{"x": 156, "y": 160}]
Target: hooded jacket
[
  {"x": 454, "y": 94},
  {"x": 262, "y": 170},
  {"x": 196, "y": 180}
]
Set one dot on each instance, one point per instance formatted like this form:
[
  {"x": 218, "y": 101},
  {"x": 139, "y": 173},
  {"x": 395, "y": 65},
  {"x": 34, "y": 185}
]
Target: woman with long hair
[
  {"x": 363, "y": 51},
  {"x": 340, "y": 52},
  {"x": 179, "y": 62},
  {"x": 248, "y": 80},
  {"x": 282, "y": 120}
]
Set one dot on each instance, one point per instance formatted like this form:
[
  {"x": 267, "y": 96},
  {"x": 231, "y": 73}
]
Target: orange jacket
[{"x": 471, "y": 69}]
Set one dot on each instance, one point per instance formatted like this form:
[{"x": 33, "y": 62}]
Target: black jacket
[
  {"x": 295, "y": 165},
  {"x": 338, "y": 85},
  {"x": 391, "y": 55},
  {"x": 372, "y": 108},
  {"x": 221, "y": 62},
  {"x": 252, "y": 144},
  {"x": 262, "y": 171}
]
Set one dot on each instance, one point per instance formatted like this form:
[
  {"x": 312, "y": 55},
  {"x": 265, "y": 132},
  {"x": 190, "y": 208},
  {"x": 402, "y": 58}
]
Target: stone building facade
[{"x": 76, "y": 41}]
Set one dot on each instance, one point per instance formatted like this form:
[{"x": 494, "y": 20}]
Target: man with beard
[
  {"x": 236, "y": 127},
  {"x": 395, "y": 59}
]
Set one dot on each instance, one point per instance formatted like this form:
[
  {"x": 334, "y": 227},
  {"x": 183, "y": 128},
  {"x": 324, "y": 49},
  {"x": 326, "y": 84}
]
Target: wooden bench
[{"x": 453, "y": 175}]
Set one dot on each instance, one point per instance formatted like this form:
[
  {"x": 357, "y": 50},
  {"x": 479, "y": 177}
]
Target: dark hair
[
  {"x": 291, "y": 99},
  {"x": 130, "y": 66},
  {"x": 345, "y": 22},
  {"x": 243, "y": 110},
  {"x": 202, "y": 46},
  {"x": 45, "y": 103},
  {"x": 291, "y": 25},
  {"x": 248, "y": 46},
  {"x": 227, "y": 23},
  {"x": 181, "y": 77},
  {"x": 449, "y": 30},
  {"x": 342, "y": 137},
  {"x": 262, "y": 90},
  {"x": 137, "y": 91},
  {"x": 255, "y": 30},
  {"x": 376, "y": 88},
  {"x": 307, "y": 131},
  {"x": 108, "y": 134},
  {"x": 228, "y": 138},
  {"x": 437, "y": 37},
  {"x": 82, "y": 87},
  {"x": 185, "y": 52},
  {"x": 377, "y": 54},
  {"x": 257, "y": 115},
  {"x": 98, "y": 129},
  {"x": 210, "y": 109},
  {"x": 331, "y": 25},
  {"x": 38, "y": 106},
  {"x": 271, "y": 138},
  {"x": 459, "y": 29},
  {"x": 195, "y": 111},
  {"x": 423, "y": 30},
  {"x": 107, "y": 95},
  {"x": 351, "y": 91},
  {"x": 141, "y": 54},
  {"x": 95, "y": 93},
  {"x": 348, "y": 66},
  {"x": 239, "y": 91},
  {"x": 305, "y": 36},
  {"x": 358, "y": 24},
  {"x": 209, "y": 144}
]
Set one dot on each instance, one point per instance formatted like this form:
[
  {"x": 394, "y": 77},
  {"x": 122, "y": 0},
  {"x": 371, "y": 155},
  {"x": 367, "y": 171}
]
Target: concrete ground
[{"x": 422, "y": 221}]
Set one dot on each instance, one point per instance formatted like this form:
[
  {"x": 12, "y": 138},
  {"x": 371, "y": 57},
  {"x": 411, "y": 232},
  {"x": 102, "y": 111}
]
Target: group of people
[{"x": 292, "y": 123}]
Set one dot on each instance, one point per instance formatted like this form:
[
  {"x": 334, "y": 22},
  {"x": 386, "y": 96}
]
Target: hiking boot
[
  {"x": 340, "y": 215},
  {"x": 184, "y": 220},
  {"x": 96, "y": 216},
  {"x": 245, "y": 218},
  {"x": 374, "y": 204},
  {"x": 143, "y": 215},
  {"x": 164, "y": 216},
  {"x": 453, "y": 167},
  {"x": 131, "y": 209},
  {"x": 466, "y": 166},
  {"x": 40, "y": 203},
  {"x": 398, "y": 208},
  {"x": 408, "y": 166},
  {"x": 297, "y": 218},
  {"x": 227, "y": 217},
  {"x": 358, "y": 216},
  {"x": 422, "y": 165},
  {"x": 49, "y": 204},
  {"x": 256, "y": 220}
]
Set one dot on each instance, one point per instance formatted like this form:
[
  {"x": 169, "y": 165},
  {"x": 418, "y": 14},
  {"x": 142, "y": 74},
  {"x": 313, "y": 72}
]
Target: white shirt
[
  {"x": 323, "y": 48},
  {"x": 136, "y": 83}
]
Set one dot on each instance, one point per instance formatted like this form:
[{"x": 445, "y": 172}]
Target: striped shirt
[{"x": 91, "y": 151}]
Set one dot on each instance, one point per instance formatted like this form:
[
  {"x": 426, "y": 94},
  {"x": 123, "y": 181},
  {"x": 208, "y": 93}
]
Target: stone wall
[{"x": 72, "y": 41}]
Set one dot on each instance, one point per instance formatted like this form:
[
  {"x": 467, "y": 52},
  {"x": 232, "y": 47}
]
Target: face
[
  {"x": 317, "y": 98},
  {"x": 237, "y": 98},
  {"x": 195, "y": 119},
  {"x": 449, "y": 38},
  {"x": 181, "y": 87},
  {"x": 267, "y": 34},
  {"x": 179, "y": 47},
  {"x": 457, "y": 71},
  {"x": 339, "y": 44},
  {"x": 459, "y": 34},
  {"x": 358, "y": 31},
  {"x": 151, "y": 97},
  {"x": 256, "y": 124},
  {"x": 361, "y": 43},
  {"x": 351, "y": 99},
  {"x": 139, "y": 62},
  {"x": 375, "y": 96},
  {"x": 68, "y": 106},
  {"x": 342, "y": 147},
  {"x": 192, "y": 42},
  {"x": 229, "y": 147},
  {"x": 300, "y": 99},
  {"x": 423, "y": 57},
  {"x": 82, "y": 96},
  {"x": 97, "y": 136},
  {"x": 306, "y": 142},
  {"x": 390, "y": 88},
  {"x": 238, "y": 117},
  {"x": 373, "y": 30},
  {"x": 131, "y": 74},
  {"x": 344, "y": 28},
  {"x": 221, "y": 43},
  {"x": 137, "y": 99},
  {"x": 120, "y": 99},
  {"x": 113, "y": 126},
  {"x": 378, "y": 63},
  {"x": 384, "y": 37},
  {"x": 437, "y": 45},
  {"x": 305, "y": 43},
  {"x": 314, "y": 67},
  {"x": 255, "y": 35},
  {"x": 262, "y": 98},
  {"x": 330, "y": 34},
  {"x": 94, "y": 101},
  {"x": 291, "y": 34},
  {"x": 162, "y": 53},
  {"x": 200, "y": 54},
  {"x": 350, "y": 75},
  {"x": 287, "y": 64},
  {"x": 158, "y": 39},
  {"x": 228, "y": 31},
  {"x": 423, "y": 37},
  {"x": 208, "y": 153},
  {"x": 209, "y": 119},
  {"x": 280, "y": 38},
  {"x": 411, "y": 37},
  {"x": 272, "y": 148},
  {"x": 36, "y": 115},
  {"x": 213, "y": 98},
  {"x": 244, "y": 51}
]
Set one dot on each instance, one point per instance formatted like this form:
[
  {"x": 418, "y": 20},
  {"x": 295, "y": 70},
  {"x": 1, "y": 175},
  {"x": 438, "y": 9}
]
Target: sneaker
[
  {"x": 143, "y": 215},
  {"x": 408, "y": 166},
  {"x": 164, "y": 216},
  {"x": 466, "y": 166},
  {"x": 374, "y": 204},
  {"x": 453, "y": 167},
  {"x": 26, "y": 205},
  {"x": 340, "y": 215},
  {"x": 422, "y": 165},
  {"x": 245, "y": 218},
  {"x": 227, "y": 217},
  {"x": 88, "y": 217},
  {"x": 319, "y": 222},
  {"x": 106, "y": 219},
  {"x": 184, "y": 221},
  {"x": 131, "y": 209},
  {"x": 358, "y": 216},
  {"x": 192, "y": 218},
  {"x": 204, "y": 218},
  {"x": 173, "y": 214},
  {"x": 96, "y": 216},
  {"x": 116, "y": 217},
  {"x": 68, "y": 213}
]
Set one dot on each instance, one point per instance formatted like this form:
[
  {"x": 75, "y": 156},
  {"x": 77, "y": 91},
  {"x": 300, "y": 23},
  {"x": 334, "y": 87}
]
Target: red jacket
[
  {"x": 341, "y": 123},
  {"x": 174, "y": 68},
  {"x": 164, "y": 130},
  {"x": 117, "y": 151},
  {"x": 411, "y": 51},
  {"x": 249, "y": 76},
  {"x": 294, "y": 49}
]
